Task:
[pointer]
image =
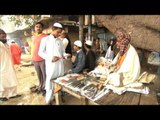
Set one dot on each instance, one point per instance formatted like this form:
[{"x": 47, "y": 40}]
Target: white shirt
[
  {"x": 109, "y": 54},
  {"x": 130, "y": 68},
  {"x": 8, "y": 77},
  {"x": 49, "y": 47},
  {"x": 65, "y": 42}
]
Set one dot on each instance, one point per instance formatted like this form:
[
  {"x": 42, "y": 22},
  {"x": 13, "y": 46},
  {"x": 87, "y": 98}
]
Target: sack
[
  {"x": 154, "y": 58},
  {"x": 67, "y": 65}
]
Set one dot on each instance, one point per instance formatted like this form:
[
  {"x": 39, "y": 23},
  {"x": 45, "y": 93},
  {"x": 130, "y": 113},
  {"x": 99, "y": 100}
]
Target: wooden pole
[
  {"x": 89, "y": 27},
  {"x": 81, "y": 23}
]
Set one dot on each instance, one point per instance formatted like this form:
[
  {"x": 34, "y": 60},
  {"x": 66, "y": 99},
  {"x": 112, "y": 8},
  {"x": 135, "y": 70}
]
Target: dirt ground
[{"x": 27, "y": 77}]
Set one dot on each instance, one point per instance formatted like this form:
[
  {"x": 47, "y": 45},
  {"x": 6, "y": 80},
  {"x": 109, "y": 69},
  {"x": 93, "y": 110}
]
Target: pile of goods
[{"x": 89, "y": 86}]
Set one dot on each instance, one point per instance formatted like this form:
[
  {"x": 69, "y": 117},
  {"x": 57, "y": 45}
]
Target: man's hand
[
  {"x": 67, "y": 56},
  {"x": 112, "y": 68},
  {"x": 69, "y": 71},
  {"x": 55, "y": 58}
]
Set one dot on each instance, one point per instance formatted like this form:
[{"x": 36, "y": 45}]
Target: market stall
[
  {"x": 89, "y": 91},
  {"x": 94, "y": 88}
]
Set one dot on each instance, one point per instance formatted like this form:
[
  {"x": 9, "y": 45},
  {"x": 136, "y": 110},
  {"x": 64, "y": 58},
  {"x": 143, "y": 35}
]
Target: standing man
[
  {"x": 97, "y": 48},
  {"x": 67, "y": 46},
  {"x": 16, "y": 54},
  {"x": 110, "y": 51},
  {"x": 8, "y": 80},
  {"x": 52, "y": 50},
  {"x": 38, "y": 61},
  {"x": 66, "y": 42}
]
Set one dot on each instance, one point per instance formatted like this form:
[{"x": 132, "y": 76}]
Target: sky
[{"x": 8, "y": 26}]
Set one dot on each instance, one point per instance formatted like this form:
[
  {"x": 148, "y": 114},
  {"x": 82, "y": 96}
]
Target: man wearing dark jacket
[
  {"x": 79, "y": 62},
  {"x": 90, "y": 61}
]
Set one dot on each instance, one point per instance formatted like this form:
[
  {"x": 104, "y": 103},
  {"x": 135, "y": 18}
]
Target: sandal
[
  {"x": 3, "y": 99},
  {"x": 34, "y": 88},
  {"x": 15, "y": 96}
]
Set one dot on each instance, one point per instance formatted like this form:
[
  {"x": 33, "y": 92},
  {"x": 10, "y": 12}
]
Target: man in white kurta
[
  {"x": 126, "y": 61},
  {"x": 52, "y": 50},
  {"x": 8, "y": 80},
  {"x": 130, "y": 68}
]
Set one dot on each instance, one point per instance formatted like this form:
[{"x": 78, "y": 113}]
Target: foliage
[{"x": 19, "y": 20}]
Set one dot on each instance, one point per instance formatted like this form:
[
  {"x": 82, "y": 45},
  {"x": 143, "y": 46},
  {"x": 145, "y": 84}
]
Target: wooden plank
[
  {"x": 149, "y": 99},
  {"x": 130, "y": 98},
  {"x": 110, "y": 99},
  {"x": 89, "y": 102},
  {"x": 98, "y": 102},
  {"x": 102, "y": 99}
]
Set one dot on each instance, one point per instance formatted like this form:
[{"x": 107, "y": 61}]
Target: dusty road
[{"x": 27, "y": 77}]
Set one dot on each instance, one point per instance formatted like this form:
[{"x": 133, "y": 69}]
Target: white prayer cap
[
  {"x": 12, "y": 41},
  {"x": 78, "y": 43},
  {"x": 88, "y": 42},
  {"x": 58, "y": 25}
]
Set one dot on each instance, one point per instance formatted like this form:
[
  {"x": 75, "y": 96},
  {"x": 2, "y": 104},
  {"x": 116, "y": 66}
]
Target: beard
[{"x": 3, "y": 41}]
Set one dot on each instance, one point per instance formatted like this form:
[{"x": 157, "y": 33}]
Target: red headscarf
[
  {"x": 124, "y": 46},
  {"x": 124, "y": 40}
]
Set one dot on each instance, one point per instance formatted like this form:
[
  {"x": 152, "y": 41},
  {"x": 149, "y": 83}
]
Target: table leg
[
  {"x": 83, "y": 100},
  {"x": 57, "y": 99}
]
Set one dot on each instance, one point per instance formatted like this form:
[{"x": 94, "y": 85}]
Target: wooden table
[
  {"x": 71, "y": 92},
  {"x": 127, "y": 98}
]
